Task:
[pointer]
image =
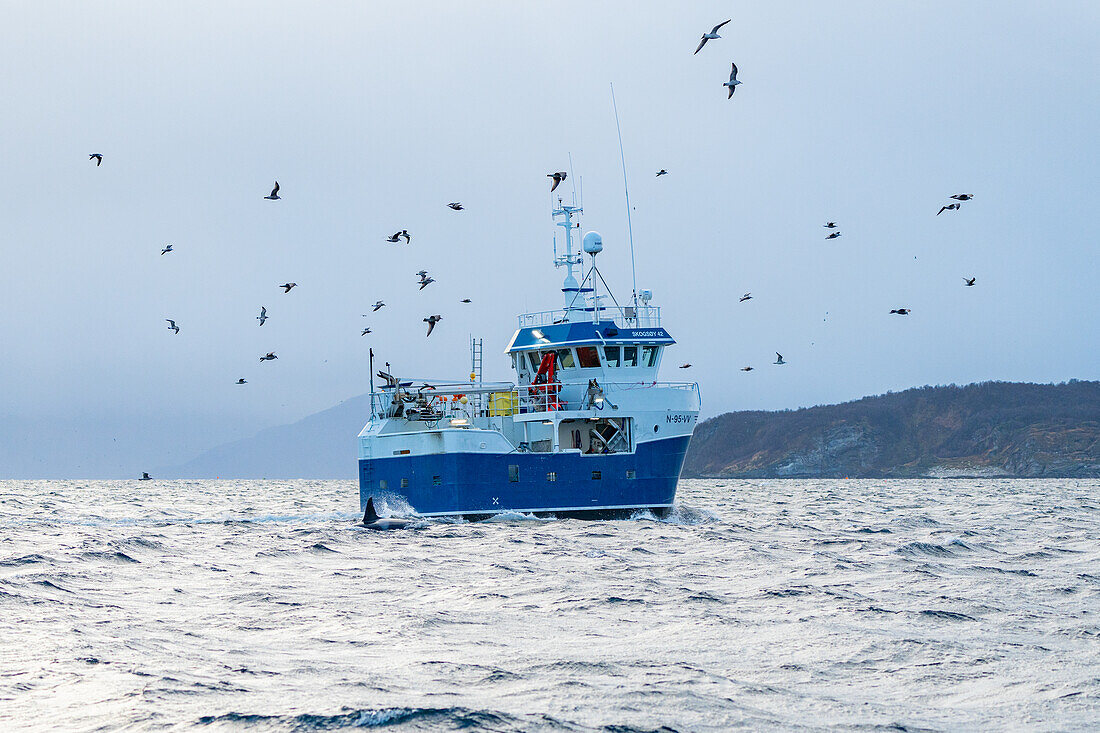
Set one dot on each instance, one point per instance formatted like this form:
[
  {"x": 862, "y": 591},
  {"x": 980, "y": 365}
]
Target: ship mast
[{"x": 563, "y": 216}]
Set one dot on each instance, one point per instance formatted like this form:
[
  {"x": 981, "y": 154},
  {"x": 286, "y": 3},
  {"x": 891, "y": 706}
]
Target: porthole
[{"x": 656, "y": 428}]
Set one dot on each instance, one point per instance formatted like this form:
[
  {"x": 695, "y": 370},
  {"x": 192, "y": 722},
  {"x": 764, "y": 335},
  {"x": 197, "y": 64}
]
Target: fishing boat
[{"x": 585, "y": 429}]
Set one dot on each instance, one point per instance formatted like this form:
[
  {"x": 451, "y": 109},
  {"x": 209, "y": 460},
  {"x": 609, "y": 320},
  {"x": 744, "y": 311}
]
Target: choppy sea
[{"x": 758, "y": 605}]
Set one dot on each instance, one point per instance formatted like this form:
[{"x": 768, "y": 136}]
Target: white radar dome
[{"x": 593, "y": 243}]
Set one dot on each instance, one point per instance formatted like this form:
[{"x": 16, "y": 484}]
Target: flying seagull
[
  {"x": 949, "y": 207},
  {"x": 241, "y": 381},
  {"x": 833, "y": 235},
  {"x": 394, "y": 237},
  {"x": 287, "y": 287},
  {"x": 145, "y": 476},
  {"x": 431, "y": 321},
  {"x": 268, "y": 356},
  {"x": 746, "y": 296},
  {"x": 365, "y": 331},
  {"x": 98, "y": 158},
  {"x": 900, "y": 311},
  {"x": 465, "y": 300},
  {"x": 746, "y": 369},
  {"x": 421, "y": 274},
  {"x": 457, "y": 206},
  {"x": 172, "y": 326},
  {"x": 262, "y": 318},
  {"x": 685, "y": 366},
  {"x": 732, "y": 83},
  {"x": 969, "y": 281},
  {"x": 963, "y": 196},
  {"x": 710, "y": 36},
  {"x": 830, "y": 225},
  {"x": 778, "y": 359},
  {"x": 662, "y": 172},
  {"x": 426, "y": 281},
  {"x": 166, "y": 250},
  {"x": 405, "y": 233},
  {"x": 558, "y": 178},
  {"x": 274, "y": 195},
  {"x": 378, "y": 306}
]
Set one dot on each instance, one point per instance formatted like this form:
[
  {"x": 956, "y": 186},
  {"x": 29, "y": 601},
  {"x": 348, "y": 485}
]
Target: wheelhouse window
[
  {"x": 588, "y": 357},
  {"x": 565, "y": 358},
  {"x": 630, "y": 356},
  {"x": 649, "y": 355},
  {"x": 533, "y": 357},
  {"x": 611, "y": 355}
]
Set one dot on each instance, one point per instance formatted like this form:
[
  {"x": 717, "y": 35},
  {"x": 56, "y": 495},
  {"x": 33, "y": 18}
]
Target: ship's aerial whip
[{"x": 626, "y": 190}]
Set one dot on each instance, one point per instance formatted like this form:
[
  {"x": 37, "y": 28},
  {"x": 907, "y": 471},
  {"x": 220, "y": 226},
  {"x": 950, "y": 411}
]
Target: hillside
[
  {"x": 321, "y": 446},
  {"x": 987, "y": 429}
]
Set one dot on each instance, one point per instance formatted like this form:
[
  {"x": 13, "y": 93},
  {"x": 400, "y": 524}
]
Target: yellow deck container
[{"x": 503, "y": 403}]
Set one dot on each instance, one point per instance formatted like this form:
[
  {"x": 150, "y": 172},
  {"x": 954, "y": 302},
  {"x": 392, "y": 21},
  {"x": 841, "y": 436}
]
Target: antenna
[
  {"x": 626, "y": 189},
  {"x": 574, "y": 180}
]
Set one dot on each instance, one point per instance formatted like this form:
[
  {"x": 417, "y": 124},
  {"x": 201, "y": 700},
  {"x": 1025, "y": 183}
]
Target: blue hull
[{"x": 480, "y": 484}]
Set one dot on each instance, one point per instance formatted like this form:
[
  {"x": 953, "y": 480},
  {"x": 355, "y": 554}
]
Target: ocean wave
[{"x": 408, "y": 718}]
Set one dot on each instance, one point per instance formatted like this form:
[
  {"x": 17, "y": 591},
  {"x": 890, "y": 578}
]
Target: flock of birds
[
  {"x": 556, "y": 178},
  {"x": 833, "y": 234},
  {"x": 424, "y": 278}
]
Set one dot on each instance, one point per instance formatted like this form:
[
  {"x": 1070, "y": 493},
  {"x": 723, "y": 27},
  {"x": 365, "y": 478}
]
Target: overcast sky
[{"x": 373, "y": 116}]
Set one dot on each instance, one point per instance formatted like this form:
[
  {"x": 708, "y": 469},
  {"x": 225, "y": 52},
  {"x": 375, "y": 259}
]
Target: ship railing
[
  {"x": 547, "y": 397},
  {"x": 644, "y": 316},
  {"x": 437, "y": 400}
]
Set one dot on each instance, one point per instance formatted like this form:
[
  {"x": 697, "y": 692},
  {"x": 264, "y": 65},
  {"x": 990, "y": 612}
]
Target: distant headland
[{"x": 991, "y": 429}]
